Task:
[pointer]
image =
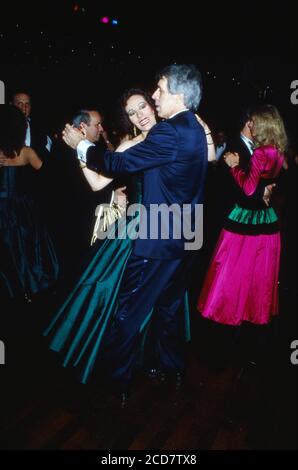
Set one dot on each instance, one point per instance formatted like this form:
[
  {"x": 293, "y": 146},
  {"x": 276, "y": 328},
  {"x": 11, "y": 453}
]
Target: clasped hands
[
  {"x": 120, "y": 197},
  {"x": 231, "y": 159},
  {"x": 72, "y": 136},
  {"x": 8, "y": 160},
  {"x": 3, "y": 159}
]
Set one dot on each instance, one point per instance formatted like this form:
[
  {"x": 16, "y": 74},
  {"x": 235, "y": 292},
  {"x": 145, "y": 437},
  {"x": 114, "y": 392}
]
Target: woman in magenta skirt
[{"x": 241, "y": 284}]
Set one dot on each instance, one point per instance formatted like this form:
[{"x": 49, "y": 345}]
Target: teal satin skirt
[{"x": 77, "y": 329}]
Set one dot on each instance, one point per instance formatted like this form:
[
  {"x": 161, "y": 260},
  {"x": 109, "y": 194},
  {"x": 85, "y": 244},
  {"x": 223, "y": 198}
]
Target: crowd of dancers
[{"x": 124, "y": 305}]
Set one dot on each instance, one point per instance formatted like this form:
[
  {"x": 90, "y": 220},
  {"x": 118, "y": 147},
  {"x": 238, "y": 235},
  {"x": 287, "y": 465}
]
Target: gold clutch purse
[{"x": 106, "y": 215}]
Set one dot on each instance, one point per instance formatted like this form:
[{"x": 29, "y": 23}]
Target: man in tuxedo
[
  {"x": 228, "y": 192},
  {"x": 231, "y": 338},
  {"x": 36, "y": 137},
  {"x": 173, "y": 159},
  {"x": 76, "y": 201},
  {"x": 89, "y": 122},
  {"x": 243, "y": 143},
  {"x": 220, "y": 141}
]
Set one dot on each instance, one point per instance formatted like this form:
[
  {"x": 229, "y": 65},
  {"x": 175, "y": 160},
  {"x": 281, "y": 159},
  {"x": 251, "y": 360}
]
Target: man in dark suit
[
  {"x": 227, "y": 191},
  {"x": 90, "y": 123},
  {"x": 75, "y": 201},
  {"x": 36, "y": 137},
  {"x": 173, "y": 159},
  {"x": 230, "y": 339}
]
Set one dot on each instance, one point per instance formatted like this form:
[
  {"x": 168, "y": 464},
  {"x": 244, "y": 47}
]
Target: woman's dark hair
[
  {"x": 124, "y": 121},
  {"x": 12, "y": 130}
]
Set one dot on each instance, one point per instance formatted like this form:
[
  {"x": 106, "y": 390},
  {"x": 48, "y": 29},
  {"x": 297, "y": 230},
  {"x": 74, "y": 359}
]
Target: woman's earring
[{"x": 135, "y": 131}]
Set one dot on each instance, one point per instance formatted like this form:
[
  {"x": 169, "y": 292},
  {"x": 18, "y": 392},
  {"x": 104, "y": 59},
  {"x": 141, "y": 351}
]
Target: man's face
[
  {"x": 250, "y": 128},
  {"x": 93, "y": 130},
  {"x": 23, "y": 102},
  {"x": 166, "y": 103},
  {"x": 220, "y": 138}
]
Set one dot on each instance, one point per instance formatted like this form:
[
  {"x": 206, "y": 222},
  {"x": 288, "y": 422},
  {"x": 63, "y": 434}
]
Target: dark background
[{"x": 67, "y": 59}]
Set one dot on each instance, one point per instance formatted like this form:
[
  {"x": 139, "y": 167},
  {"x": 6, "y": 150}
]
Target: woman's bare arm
[
  {"x": 27, "y": 156},
  {"x": 97, "y": 181}
]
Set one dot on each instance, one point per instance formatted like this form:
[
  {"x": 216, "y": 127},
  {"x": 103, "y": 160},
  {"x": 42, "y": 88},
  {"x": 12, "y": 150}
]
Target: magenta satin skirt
[{"x": 242, "y": 280}]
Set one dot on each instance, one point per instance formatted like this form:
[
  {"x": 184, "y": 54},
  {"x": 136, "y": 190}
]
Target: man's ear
[
  {"x": 83, "y": 128},
  {"x": 180, "y": 98}
]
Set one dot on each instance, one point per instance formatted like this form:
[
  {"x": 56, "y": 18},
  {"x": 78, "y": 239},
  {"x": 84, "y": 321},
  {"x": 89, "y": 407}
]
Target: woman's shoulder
[
  {"x": 269, "y": 156},
  {"x": 266, "y": 153},
  {"x": 267, "y": 150},
  {"x": 128, "y": 143}
]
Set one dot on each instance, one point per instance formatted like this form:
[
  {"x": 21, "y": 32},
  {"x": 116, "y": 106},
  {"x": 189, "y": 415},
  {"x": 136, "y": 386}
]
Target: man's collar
[
  {"x": 246, "y": 139},
  {"x": 175, "y": 114}
]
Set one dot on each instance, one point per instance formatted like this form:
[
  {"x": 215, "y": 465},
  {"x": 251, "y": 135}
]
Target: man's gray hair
[
  {"x": 82, "y": 116},
  {"x": 185, "y": 79}
]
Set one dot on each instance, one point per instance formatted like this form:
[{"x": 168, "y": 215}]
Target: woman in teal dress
[
  {"x": 77, "y": 329},
  {"x": 28, "y": 262}
]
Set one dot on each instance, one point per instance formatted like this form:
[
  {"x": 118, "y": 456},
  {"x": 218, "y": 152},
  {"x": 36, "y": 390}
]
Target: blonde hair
[{"x": 268, "y": 128}]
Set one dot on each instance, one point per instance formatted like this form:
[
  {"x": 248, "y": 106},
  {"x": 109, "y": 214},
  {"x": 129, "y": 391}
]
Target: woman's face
[{"x": 140, "y": 113}]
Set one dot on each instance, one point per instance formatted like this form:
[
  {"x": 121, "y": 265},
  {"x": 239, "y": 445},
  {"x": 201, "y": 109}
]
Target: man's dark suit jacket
[
  {"x": 173, "y": 159},
  {"x": 38, "y": 139}
]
